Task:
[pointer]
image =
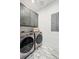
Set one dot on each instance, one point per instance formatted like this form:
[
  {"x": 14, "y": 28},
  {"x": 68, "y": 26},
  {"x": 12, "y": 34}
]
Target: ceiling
[{"x": 36, "y": 5}]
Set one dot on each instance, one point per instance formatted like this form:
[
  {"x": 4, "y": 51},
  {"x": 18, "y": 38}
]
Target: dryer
[
  {"x": 38, "y": 37},
  {"x": 26, "y": 44}
]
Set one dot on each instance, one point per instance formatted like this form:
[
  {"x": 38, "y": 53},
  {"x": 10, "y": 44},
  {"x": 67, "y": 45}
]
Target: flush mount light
[{"x": 33, "y": 1}]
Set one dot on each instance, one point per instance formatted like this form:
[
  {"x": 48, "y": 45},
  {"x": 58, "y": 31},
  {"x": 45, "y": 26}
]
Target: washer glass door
[{"x": 26, "y": 45}]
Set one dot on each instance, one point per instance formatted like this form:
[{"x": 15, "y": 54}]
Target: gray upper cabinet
[
  {"x": 28, "y": 17},
  {"x": 55, "y": 22}
]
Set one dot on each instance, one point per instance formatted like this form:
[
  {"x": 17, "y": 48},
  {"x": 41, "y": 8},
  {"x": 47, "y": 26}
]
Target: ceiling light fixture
[{"x": 33, "y": 1}]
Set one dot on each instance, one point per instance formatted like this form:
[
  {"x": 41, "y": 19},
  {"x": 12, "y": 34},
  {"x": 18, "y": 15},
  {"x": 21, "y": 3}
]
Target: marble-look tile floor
[{"x": 43, "y": 53}]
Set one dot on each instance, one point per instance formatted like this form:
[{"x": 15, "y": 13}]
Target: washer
[{"x": 26, "y": 44}]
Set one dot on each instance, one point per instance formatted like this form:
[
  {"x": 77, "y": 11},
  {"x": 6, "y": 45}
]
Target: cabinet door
[
  {"x": 27, "y": 17},
  {"x": 24, "y": 16},
  {"x": 55, "y": 22},
  {"x": 34, "y": 19}
]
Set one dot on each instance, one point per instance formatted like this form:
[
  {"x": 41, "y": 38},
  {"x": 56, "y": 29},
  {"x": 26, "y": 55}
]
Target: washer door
[
  {"x": 39, "y": 39},
  {"x": 26, "y": 45}
]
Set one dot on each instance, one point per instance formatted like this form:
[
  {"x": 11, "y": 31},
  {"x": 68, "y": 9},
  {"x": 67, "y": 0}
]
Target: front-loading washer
[{"x": 26, "y": 44}]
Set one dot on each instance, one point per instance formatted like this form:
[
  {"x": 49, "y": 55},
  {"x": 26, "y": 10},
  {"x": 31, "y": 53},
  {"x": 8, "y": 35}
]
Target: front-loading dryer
[
  {"x": 38, "y": 37},
  {"x": 26, "y": 44}
]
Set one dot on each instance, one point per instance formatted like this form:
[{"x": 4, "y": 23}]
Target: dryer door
[
  {"x": 39, "y": 39},
  {"x": 26, "y": 45}
]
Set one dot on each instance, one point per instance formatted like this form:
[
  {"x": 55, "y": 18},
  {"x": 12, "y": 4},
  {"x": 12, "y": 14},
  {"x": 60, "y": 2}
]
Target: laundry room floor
[{"x": 43, "y": 53}]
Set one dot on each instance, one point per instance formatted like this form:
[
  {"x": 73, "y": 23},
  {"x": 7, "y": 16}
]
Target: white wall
[{"x": 49, "y": 38}]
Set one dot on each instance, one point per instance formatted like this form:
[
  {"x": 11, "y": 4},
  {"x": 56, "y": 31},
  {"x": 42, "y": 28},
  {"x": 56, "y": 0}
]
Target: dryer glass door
[{"x": 39, "y": 39}]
